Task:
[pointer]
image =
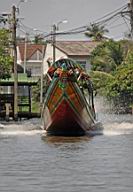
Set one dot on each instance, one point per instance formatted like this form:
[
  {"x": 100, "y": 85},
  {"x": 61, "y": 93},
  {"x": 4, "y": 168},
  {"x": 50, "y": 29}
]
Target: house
[
  {"x": 30, "y": 57},
  {"x": 79, "y": 51}
]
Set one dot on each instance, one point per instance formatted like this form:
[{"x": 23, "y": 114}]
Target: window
[{"x": 36, "y": 71}]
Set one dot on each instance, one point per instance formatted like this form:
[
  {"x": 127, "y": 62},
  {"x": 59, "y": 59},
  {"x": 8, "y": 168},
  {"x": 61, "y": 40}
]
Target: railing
[{"x": 24, "y": 103}]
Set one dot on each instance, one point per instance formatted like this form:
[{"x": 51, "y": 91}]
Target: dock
[{"x": 24, "y": 103}]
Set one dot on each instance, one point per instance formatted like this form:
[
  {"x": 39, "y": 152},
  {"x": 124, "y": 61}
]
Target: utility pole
[
  {"x": 14, "y": 23},
  {"x": 55, "y": 28},
  {"x": 42, "y": 75},
  {"x": 131, "y": 16},
  {"x": 54, "y": 42},
  {"x": 25, "y": 52},
  {"x": 131, "y": 3}
]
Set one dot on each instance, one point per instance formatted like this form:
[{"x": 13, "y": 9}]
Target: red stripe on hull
[{"x": 64, "y": 121}]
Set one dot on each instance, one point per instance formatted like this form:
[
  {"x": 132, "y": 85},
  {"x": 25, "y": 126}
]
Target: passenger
[
  {"x": 49, "y": 61},
  {"x": 51, "y": 71},
  {"x": 64, "y": 67},
  {"x": 90, "y": 86},
  {"x": 77, "y": 72},
  {"x": 70, "y": 72},
  {"x": 58, "y": 72},
  {"x": 72, "y": 76}
]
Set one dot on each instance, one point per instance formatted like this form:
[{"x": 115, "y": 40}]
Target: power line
[
  {"x": 113, "y": 20},
  {"x": 116, "y": 14},
  {"x": 103, "y": 22},
  {"x": 115, "y": 26},
  {"x": 126, "y": 23},
  {"x": 121, "y": 8}
]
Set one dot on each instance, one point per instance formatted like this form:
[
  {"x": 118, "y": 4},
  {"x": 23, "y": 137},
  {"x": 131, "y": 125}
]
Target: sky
[{"x": 38, "y": 16}]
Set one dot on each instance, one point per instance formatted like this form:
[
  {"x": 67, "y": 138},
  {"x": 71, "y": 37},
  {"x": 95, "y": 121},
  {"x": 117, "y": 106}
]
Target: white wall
[
  {"x": 19, "y": 61},
  {"x": 83, "y": 58},
  {"x": 34, "y": 65}
]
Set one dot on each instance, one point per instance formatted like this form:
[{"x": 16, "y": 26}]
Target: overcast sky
[{"x": 42, "y": 14}]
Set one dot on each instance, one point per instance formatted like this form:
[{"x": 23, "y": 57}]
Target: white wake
[
  {"x": 113, "y": 124},
  {"x": 25, "y": 128},
  {"x": 118, "y": 128}
]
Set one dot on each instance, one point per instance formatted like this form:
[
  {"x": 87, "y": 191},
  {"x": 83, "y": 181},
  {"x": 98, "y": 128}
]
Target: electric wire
[
  {"x": 115, "y": 26},
  {"x": 126, "y": 23},
  {"x": 121, "y": 8},
  {"x": 103, "y": 21}
]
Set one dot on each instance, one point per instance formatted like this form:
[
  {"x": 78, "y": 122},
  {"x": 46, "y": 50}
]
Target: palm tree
[
  {"x": 96, "y": 32},
  {"x": 38, "y": 39}
]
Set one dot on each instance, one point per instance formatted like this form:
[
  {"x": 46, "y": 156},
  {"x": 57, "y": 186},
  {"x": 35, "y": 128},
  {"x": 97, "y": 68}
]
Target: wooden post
[
  {"x": 42, "y": 71},
  {"x": 25, "y": 53},
  {"x": 8, "y": 107},
  {"x": 14, "y": 23},
  {"x": 29, "y": 89}
]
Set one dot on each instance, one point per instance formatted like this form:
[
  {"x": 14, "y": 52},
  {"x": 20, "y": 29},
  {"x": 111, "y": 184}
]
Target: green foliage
[
  {"x": 5, "y": 66},
  {"x": 114, "y": 80},
  {"x": 36, "y": 89},
  {"x": 101, "y": 80},
  {"x": 107, "y": 56},
  {"x": 5, "y": 58},
  {"x": 120, "y": 90},
  {"x": 4, "y": 38},
  {"x": 96, "y": 32},
  {"x": 38, "y": 40}
]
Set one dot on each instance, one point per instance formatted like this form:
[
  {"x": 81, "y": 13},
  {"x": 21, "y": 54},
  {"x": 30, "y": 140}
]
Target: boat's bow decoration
[{"x": 66, "y": 110}]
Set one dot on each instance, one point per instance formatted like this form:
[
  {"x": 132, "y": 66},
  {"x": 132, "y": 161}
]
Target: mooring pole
[{"x": 14, "y": 23}]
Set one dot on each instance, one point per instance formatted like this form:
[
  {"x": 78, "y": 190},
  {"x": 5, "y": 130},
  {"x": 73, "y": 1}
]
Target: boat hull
[
  {"x": 66, "y": 111},
  {"x": 64, "y": 121}
]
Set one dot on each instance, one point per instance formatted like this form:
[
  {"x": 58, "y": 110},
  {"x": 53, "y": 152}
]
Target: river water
[{"x": 30, "y": 161}]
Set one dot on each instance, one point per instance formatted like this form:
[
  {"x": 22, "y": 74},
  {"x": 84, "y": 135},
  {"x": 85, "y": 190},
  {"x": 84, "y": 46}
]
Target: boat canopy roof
[{"x": 70, "y": 64}]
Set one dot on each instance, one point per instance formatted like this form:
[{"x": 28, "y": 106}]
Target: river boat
[{"x": 66, "y": 110}]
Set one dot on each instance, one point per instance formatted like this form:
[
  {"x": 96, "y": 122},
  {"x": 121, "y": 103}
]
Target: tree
[
  {"x": 5, "y": 58},
  {"x": 36, "y": 89},
  {"x": 120, "y": 90},
  {"x": 38, "y": 40},
  {"x": 107, "y": 56},
  {"x": 5, "y": 65},
  {"x": 101, "y": 80},
  {"x": 117, "y": 84},
  {"x": 96, "y": 32}
]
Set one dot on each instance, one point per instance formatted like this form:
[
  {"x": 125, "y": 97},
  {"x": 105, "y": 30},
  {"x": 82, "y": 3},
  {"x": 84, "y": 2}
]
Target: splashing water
[
  {"x": 118, "y": 128},
  {"x": 113, "y": 124},
  {"x": 21, "y": 128}
]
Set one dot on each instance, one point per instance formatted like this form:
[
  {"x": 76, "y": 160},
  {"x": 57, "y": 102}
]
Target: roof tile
[
  {"x": 70, "y": 48},
  {"x": 31, "y": 49}
]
